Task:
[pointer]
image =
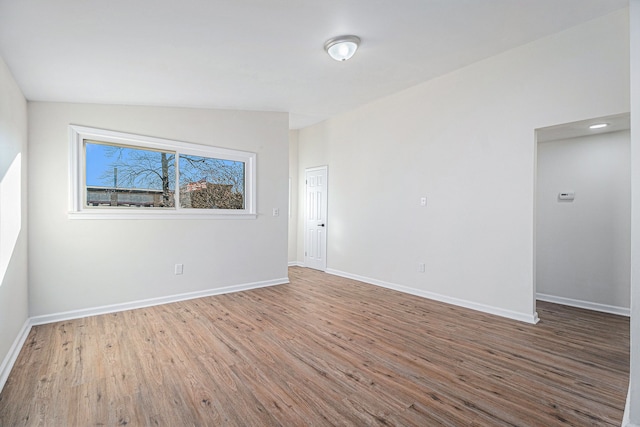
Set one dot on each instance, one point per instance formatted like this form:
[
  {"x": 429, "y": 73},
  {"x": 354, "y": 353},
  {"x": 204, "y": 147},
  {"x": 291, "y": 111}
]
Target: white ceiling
[{"x": 261, "y": 54}]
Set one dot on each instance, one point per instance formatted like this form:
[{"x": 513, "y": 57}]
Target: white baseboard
[
  {"x": 625, "y": 419},
  {"x": 442, "y": 298},
  {"x": 622, "y": 311},
  {"x": 76, "y": 314},
  {"x": 14, "y": 351},
  {"x": 296, "y": 264}
]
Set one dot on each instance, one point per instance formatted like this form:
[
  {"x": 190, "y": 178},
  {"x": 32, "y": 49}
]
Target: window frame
[{"x": 78, "y": 208}]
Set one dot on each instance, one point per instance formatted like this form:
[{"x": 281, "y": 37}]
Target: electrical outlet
[
  {"x": 423, "y": 201},
  {"x": 276, "y": 212},
  {"x": 421, "y": 267},
  {"x": 178, "y": 269}
]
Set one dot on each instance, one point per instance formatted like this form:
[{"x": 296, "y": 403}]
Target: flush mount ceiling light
[
  {"x": 599, "y": 126},
  {"x": 342, "y": 48}
]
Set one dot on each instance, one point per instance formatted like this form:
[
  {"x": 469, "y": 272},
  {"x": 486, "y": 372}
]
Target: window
[
  {"x": 118, "y": 175},
  {"x": 210, "y": 183}
]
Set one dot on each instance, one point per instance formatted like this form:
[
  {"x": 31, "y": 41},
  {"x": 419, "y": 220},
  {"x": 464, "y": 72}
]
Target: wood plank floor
[{"x": 322, "y": 350}]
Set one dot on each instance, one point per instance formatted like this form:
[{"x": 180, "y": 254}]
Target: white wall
[
  {"x": 13, "y": 217},
  {"x": 632, "y": 414},
  {"x": 293, "y": 196},
  {"x": 81, "y": 264},
  {"x": 466, "y": 142},
  {"x": 583, "y": 246}
]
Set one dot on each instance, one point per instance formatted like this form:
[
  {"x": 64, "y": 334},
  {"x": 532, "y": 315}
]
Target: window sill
[{"x": 166, "y": 215}]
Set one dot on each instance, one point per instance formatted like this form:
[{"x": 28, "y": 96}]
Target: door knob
[{"x": 320, "y": 225}]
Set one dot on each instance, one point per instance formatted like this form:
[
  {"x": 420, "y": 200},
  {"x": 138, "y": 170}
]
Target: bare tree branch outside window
[{"x": 138, "y": 177}]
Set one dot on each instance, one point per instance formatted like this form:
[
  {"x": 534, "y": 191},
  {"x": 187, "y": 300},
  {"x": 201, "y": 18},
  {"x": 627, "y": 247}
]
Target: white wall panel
[
  {"x": 466, "y": 141},
  {"x": 80, "y": 264},
  {"x": 632, "y": 413},
  {"x": 13, "y": 218},
  {"x": 293, "y": 196}
]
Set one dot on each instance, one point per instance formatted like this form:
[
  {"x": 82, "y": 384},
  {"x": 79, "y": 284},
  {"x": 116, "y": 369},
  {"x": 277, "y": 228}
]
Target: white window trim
[{"x": 77, "y": 163}]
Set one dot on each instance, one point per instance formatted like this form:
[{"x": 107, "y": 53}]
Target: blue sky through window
[
  {"x": 136, "y": 167},
  {"x": 142, "y": 169},
  {"x": 97, "y": 164}
]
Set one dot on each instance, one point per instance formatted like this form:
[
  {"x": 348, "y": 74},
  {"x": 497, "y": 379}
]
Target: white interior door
[{"x": 315, "y": 237}]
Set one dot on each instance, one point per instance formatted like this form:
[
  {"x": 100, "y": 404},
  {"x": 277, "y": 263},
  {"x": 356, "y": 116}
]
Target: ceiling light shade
[
  {"x": 599, "y": 126},
  {"x": 342, "y": 48}
]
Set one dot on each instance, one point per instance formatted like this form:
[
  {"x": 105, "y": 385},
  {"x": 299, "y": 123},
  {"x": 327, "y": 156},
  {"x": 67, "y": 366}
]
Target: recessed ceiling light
[{"x": 599, "y": 126}]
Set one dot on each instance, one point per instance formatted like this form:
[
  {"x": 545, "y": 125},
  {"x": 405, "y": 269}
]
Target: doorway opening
[{"x": 582, "y": 215}]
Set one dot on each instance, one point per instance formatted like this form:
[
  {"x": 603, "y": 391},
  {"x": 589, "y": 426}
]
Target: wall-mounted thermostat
[{"x": 567, "y": 196}]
